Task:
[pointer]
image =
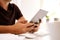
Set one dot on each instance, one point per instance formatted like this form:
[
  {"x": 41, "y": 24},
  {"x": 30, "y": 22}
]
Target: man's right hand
[{"x": 22, "y": 28}]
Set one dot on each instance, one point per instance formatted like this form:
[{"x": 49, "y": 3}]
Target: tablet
[{"x": 39, "y": 15}]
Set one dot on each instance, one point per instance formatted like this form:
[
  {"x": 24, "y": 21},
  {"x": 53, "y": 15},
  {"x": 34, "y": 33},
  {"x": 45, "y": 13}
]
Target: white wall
[
  {"x": 53, "y": 6},
  {"x": 17, "y": 2},
  {"x": 28, "y": 7}
]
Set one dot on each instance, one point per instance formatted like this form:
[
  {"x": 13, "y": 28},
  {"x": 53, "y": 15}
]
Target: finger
[
  {"x": 39, "y": 20},
  {"x": 32, "y": 26},
  {"x": 28, "y": 25},
  {"x": 29, "y": 29},
  {"x": 36, "y": 25},
  {"x": 35, "y": 30}
]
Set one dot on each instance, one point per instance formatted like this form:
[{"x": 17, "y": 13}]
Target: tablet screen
[{"x": 39, "y": 15}]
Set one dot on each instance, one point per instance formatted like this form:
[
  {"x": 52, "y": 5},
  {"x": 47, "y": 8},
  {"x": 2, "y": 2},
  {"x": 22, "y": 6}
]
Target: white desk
[
  {"x": 16, "y": 37},
  {"x": 40, "y": 38}
]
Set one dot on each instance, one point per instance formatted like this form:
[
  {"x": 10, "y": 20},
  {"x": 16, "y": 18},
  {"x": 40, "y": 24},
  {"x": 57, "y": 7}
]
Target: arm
[
  {"x": 17, "y": 28},
  {"x": 6, "y": 29},
  {"x": 12, "y": 28},
  {"x": 22, "y": 20}
]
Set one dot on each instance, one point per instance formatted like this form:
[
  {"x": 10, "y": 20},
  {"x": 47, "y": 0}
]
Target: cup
[{"x": 54, "y": 30}]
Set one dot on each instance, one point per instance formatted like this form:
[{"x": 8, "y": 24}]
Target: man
[{"x": 8, "y": 14}]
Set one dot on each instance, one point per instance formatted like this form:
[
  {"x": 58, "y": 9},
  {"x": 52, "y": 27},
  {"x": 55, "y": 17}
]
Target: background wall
[{"x": 28, "y": 7}]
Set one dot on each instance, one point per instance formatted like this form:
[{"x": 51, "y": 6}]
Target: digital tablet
[{"x": 39, "y": 15}]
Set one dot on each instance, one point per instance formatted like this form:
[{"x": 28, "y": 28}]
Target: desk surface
[
  {"x": 16, "y": 37},
  {"x": 40, "y": 38}
]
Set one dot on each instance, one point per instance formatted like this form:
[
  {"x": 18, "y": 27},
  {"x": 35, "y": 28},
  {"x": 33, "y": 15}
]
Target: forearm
[
  {"x": 8, "y": 29},
  {"x": 5, "y": 29},
  {"x": 22, "y": 20}
]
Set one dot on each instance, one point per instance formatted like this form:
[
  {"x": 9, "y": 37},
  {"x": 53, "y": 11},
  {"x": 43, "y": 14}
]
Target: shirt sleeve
[{"x": 18, "y": 13}]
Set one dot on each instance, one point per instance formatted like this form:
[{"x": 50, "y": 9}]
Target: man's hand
[
  {"x": 35, "y": 29},
  {"x": 22, "y": 28},
  {"x": 36, "y": 26}
]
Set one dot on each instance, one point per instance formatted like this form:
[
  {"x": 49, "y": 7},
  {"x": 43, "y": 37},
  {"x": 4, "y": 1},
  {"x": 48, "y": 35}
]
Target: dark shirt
[{"x": 8, "y": 17}]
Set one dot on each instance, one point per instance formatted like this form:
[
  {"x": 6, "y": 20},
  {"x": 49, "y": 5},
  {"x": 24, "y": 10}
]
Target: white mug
[{"x": 54, "y": 30}]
